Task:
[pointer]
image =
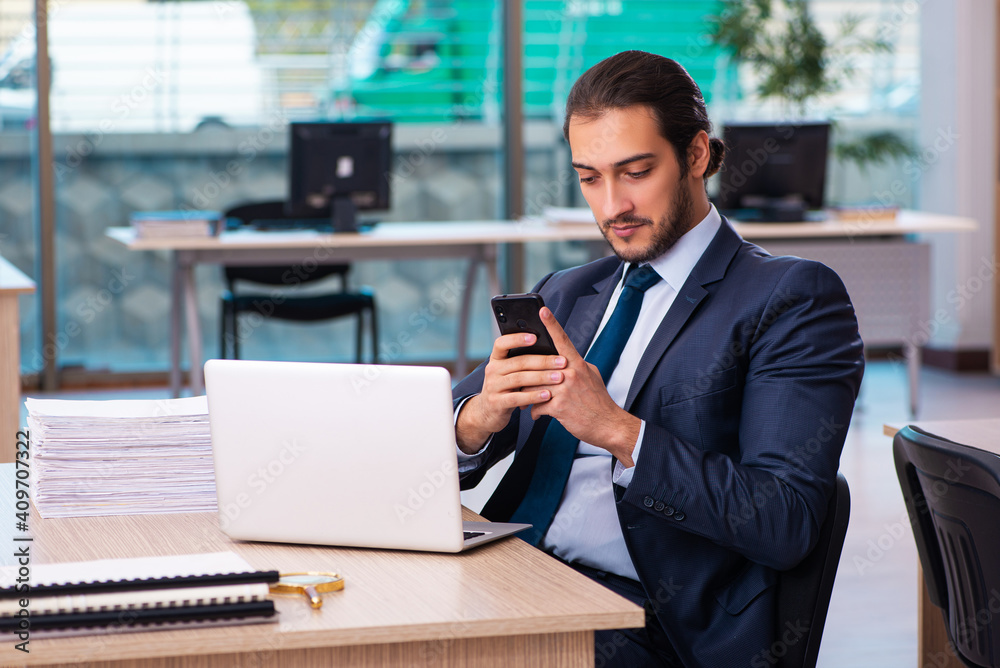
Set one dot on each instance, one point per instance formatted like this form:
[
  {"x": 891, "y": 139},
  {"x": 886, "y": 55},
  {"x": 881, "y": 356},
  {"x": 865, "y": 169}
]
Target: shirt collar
[{"x": 676, "y": 264}]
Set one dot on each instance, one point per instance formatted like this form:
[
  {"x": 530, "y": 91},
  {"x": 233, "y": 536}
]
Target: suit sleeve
[
  {"x": 764, "y": 495},
  {"x": 504, "y": 441}
]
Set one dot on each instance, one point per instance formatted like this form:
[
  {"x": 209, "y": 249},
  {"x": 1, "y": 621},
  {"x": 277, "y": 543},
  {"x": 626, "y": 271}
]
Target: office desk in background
[
  {"x": 13, "y": 284},
  {"x": 932, "y": 634},
  {"x": 504, "y": 604},
  {"x": 887, "y": 274},
  {"x": 476, "y": 241}
]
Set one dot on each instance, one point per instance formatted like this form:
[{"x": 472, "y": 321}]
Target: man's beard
[{"x": 674, "y": 225}]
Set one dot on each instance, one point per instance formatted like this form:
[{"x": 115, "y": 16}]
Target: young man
[{"x": 690, "y": 456}]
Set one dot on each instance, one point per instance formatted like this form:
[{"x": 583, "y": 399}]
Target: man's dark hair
[{"x": 633, "y": 78}]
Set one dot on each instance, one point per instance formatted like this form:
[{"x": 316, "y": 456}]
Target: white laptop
[{"x": 339, "y": 454}]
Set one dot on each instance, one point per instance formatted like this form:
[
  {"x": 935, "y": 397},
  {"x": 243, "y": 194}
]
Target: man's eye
[
  {"x": 586, "y": 179},
  {"x": 638, "y": 175}
]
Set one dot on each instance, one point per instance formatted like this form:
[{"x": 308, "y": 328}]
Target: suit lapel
[
  {"x": 588, "y": 309},
  {"x": 709, "y": 269}
]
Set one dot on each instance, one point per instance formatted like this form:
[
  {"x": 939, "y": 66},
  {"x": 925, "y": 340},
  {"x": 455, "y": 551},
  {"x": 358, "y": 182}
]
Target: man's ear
[{"x": 699, "y": 154}]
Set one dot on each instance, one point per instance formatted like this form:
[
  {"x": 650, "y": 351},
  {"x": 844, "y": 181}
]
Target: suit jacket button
[
  {"x": 668, "y": 511},
  {"x": 648, "y": 502},
  {"x": 659, "y": 506},
  {"x": 678, "y": 516}
]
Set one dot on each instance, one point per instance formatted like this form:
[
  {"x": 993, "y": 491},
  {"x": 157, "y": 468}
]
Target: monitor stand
[{"x": 344, "y": 215}]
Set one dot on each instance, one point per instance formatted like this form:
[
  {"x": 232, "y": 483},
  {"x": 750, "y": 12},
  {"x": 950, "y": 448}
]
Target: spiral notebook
[{"x": 140, "y": 594}]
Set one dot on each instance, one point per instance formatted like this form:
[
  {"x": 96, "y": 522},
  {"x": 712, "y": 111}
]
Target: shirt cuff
[
  {"x": 467, "y": 462},
  {"x": 623, "y": 476}
]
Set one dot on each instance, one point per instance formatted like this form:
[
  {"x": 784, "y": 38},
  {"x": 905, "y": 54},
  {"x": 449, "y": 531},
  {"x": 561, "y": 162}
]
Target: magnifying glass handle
[{"x": 314, "y": 599}]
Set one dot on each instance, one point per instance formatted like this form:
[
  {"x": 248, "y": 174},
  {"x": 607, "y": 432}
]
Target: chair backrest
[
  {"x": 804, "y": 591},
  {"x": 274, "y": 211},
  {"x": 952, "y": 495}
]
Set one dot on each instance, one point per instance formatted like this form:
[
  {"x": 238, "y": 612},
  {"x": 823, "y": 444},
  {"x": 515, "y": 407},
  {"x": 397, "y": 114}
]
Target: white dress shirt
[{"x": 585, "y": 528}]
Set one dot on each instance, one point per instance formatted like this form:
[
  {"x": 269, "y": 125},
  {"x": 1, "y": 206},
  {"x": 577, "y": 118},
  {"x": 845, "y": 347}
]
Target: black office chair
[
  {"x": 952, "y": 494},
  {"x": 804, "y": 591},
  {"x": 302, "y": 308}
]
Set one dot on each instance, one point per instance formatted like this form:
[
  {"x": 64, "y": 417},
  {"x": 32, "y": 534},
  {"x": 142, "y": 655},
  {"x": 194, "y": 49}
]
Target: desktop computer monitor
[
  {"x": 773, "y": 171},
  {"x": 336, "y": 169}
]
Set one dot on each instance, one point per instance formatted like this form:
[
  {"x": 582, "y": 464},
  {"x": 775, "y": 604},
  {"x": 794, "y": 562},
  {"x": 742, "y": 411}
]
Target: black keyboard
[{"x": 473, "y": 534}]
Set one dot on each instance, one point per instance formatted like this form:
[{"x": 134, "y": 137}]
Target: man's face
[{"x": 631, "y": 178}]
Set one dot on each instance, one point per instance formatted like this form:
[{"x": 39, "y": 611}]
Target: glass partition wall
[
  {"x": 168, "y": 105},
  {"x": 561, "y": 41},
  {"x": 877, "y": 90},
  {"x": 18, "y": 165},
  {"x": 174, "y": 105}
]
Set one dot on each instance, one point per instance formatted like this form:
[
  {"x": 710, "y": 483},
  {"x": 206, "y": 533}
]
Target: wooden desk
[
  {"x": 932, "y": 635},
  {"x": 504, "y": 604},
  {"x": 13, "y": 284},
  {"x": 857, "y": 250}
]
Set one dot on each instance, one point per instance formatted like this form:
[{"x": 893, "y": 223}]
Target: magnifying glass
[{"x": 310, "y": 583}]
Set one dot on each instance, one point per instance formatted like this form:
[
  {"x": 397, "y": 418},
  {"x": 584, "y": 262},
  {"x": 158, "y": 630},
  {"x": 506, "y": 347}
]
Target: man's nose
[{"x": 616, "y": 202}]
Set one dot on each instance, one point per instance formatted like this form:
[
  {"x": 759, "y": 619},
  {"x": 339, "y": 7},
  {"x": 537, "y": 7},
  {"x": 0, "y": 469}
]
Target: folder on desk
[{"x": 137, "y": 594}]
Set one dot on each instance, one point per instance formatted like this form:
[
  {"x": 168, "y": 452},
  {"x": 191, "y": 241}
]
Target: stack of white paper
[{"x": 120, "y": 457}]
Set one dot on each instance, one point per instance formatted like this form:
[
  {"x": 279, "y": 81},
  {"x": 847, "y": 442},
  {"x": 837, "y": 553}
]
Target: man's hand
[
  {"x": 509, "y": 383},
  {"x": 581, "y": 402}
]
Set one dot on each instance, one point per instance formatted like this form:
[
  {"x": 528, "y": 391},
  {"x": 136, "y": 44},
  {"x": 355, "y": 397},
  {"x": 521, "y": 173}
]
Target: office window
[
  {"x": 881, "y": 93},
  {"x": 562, "y": 39},
  {"x": 186, "y": 105},
  {"x": 163, "y": 105},
  {"x": 18, "y": 186}
]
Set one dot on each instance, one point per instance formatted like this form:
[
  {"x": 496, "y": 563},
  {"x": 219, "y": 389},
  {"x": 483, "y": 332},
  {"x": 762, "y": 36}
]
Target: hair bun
[{"x": 718, "y": 150}]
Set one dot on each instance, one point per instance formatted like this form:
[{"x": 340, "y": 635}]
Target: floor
[{"x": 872, "y": 620}]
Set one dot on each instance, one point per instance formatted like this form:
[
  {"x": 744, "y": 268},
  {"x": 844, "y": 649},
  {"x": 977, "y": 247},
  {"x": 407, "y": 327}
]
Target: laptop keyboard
[{"x": 473, "y": 534}]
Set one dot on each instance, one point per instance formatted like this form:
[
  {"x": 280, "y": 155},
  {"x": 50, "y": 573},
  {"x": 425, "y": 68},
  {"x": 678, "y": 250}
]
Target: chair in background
[
  {"x": 952, "y": 494},
  {"x": 302, "y": 308},
  {"x": 803, "y": 594}
]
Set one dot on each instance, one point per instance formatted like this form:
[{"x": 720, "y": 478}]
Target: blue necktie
[{"x": 558, "y": 447}]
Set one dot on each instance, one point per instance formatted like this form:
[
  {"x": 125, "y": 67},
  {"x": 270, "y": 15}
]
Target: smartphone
[{"x": 519, "y": 313}]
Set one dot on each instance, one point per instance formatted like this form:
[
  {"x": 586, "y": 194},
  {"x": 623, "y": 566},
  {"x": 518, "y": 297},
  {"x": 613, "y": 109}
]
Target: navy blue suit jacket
[{"x": 747, "y": 389}]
